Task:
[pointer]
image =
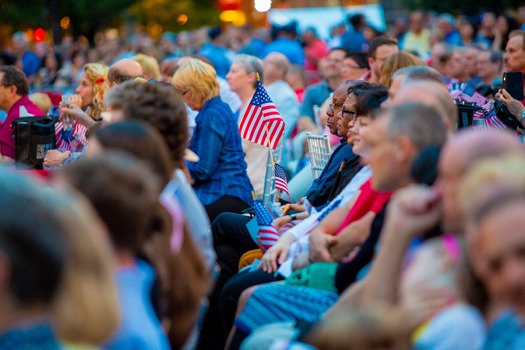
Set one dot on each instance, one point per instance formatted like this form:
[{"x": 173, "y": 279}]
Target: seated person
[
  {"x": 119, "y": 182},
  {"x": 16, "y": 103}
]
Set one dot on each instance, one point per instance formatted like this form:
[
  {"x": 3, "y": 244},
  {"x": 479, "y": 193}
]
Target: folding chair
[
  {"x": 269, "y": 179},
  {"x": 320, "y": 151}
]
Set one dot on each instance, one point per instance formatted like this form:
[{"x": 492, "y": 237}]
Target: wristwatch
[
  {"x": 293, "y": 216},
  {"x": 522, "y": 117}
]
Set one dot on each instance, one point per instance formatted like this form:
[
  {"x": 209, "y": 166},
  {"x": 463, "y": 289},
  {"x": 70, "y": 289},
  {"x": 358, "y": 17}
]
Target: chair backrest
[
  {"x": 269, "y": 179},
  {"x": 320, "y": 151}
]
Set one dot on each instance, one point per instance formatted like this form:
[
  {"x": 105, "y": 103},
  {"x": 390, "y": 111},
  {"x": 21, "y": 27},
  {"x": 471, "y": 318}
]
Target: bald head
[
  {"x": 459, "y": 155},
  {"x": 432, "y": 94},
  {"x": 476, "y": 145},
  {"x": 123, "y": 70},
  {"x": 275, "y": 67}
]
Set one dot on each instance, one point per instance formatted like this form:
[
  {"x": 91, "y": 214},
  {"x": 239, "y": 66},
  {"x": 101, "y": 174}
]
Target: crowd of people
[{"x": 139, "y": 234}]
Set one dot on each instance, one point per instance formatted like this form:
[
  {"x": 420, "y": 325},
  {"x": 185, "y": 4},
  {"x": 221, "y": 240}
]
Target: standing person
[
  {"x": 354, "y": 39},
  {"x": 217, "y": 53},
  {"x": 418, "y": 37},
  {"x": 14, "y": 100},
  {"x": 315, "y": 49},
  {"x": 29, "y": 60},
  {"x": 505, "y": 24},
  {"x": 221, "y": 180},
  {"x": 284, "y": 42},
  {"x": 71, "y": 135},
  {"x": 242, "y": 77}
]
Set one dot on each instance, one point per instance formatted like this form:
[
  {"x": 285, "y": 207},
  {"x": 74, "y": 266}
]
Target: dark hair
[
  {"x": 31, "y": 239},
  {"x": 159, "y": 105},
  {"x": 15, "y": 77},
  {"x": 512, "y": 25},
  {"x": 123, "y": 192},
  {"x": 380, "y": 41},
  {"x": 140, "y": 140},
  {"x": 118, "y": 77},
  {"x": 496, "y": 56},
  {"x": 359, "y": 57},
  {"x": 369, "y": 96},
  {"x": 357, "y": 21}
]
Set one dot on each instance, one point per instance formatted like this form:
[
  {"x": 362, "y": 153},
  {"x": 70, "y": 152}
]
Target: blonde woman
[
  {"x": 150, "y": 66},
  {"x": 71, "y": 135},
  {"x": 221, "y": 179}
]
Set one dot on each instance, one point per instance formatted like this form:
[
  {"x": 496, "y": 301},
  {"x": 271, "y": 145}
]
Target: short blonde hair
[
  {"x": 149, "y": 65},
  {"x": 198, "y": 77},
  {"x": 87, "y": 308},
  {"x": 42, "y": 100}
]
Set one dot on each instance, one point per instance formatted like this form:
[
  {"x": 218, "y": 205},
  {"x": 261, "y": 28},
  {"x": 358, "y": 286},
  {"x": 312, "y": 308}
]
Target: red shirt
[
  {"x": 368, "y": 200},
  {"x": 23, "y": 107}
]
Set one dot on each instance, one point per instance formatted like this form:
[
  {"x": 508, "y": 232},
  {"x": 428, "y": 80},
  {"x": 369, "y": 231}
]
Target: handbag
[
  {"x": 34, "y": 136},
  {"x": 320, "y": 275}
]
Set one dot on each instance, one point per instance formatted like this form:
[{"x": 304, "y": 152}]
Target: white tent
[{"x": 322, "y": 19}]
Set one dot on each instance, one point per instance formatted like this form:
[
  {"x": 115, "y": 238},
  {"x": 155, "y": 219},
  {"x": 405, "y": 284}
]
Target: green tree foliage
[
  {"x": 21, "y": 14},
  {"x": 89, "y": 16},
  {"x": 166, "y": 12},
  {"x": 462, "y": 7}
]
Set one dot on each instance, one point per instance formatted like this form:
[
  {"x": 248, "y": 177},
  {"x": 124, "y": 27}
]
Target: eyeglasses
[
  {"x": 185, "y": 92},
  {"x": 335, "y": 105},
  {"x": 380, "y": 58},
  {"x": 349, "y": 112}
]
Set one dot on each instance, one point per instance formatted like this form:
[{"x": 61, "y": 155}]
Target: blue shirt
[
  {"x": 30, "y": 63},
  {"x": 288, "y": 47},
  {"x": 220, "y": 57},
  {"x": 322, "y": 186},
  {"x": 221, "y": 169},
  {"x": 314, "y": 95},
  {"x": 355, "y": 41},
  {"x": 506, "y": 333},
  {"x": 139, "y": 326},
  {"x": 30, "y": 335}
]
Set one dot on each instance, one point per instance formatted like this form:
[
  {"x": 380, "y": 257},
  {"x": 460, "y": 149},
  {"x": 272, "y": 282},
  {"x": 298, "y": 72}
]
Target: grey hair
[
  {"x": 418, "y": 73},
  {"x": 422, "y": 124},
  {"x": 251, "y": 64}
]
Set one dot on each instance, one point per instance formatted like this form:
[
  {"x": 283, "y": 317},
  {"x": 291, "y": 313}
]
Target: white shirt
[{"x": 302, "y": 230}]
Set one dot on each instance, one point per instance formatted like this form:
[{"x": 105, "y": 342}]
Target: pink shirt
[
  {"x": 317, "y": 49},
  {"x": 21, "y": 108}
]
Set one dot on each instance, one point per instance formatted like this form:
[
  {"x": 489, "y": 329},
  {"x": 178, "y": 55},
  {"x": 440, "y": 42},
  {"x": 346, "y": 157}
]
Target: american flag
[
  {"x": 262, "y": 123},
  {"x": 268, "y": 234},
  {"x": 281, "y": 183}
]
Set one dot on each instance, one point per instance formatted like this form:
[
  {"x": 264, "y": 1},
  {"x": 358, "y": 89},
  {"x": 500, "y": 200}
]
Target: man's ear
[
  {"x": 12, "y": 90},
  {"x": 405, "y": 149},
  {"x": 370, "y": 62}
]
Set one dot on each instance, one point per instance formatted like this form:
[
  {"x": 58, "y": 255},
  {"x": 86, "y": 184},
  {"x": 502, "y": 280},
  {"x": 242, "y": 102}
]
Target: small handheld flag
[
  {"x": 268, "y": 234},
  {"x": 262, "y": 123},
  {"x": 281, "y": 183}
]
